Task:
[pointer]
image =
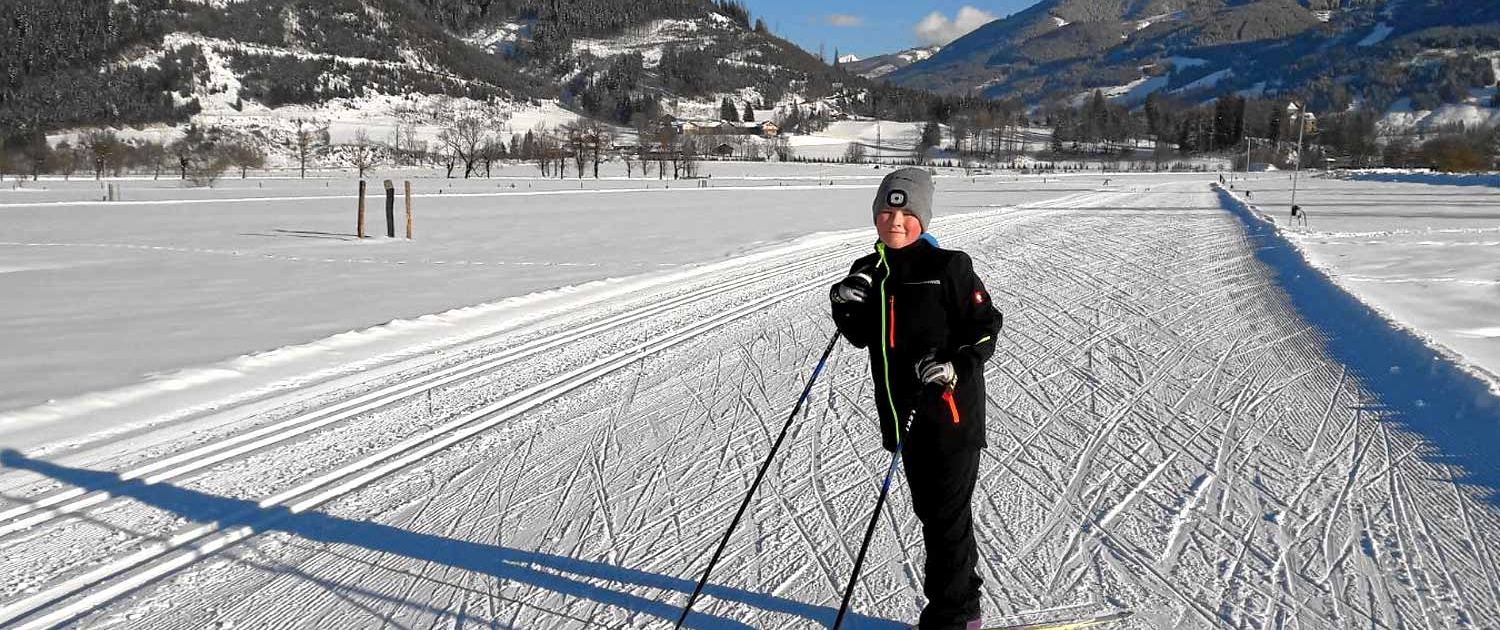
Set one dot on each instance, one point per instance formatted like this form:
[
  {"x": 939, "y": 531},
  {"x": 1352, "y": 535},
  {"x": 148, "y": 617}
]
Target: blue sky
[{"x": 873, "y": 27}]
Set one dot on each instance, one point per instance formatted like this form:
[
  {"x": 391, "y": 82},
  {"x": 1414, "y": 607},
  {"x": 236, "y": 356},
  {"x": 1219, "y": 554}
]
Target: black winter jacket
[{"x": 924, "y": 299}]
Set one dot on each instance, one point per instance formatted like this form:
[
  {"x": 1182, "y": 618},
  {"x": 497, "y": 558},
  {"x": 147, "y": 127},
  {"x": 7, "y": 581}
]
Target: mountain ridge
[
  {"x": 145, "y": 61},
  {"x": 1333, "y": 54}
]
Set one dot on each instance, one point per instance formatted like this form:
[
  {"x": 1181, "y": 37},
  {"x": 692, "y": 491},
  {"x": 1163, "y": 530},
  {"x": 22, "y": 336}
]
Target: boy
[{"x": 929, "y": 326}]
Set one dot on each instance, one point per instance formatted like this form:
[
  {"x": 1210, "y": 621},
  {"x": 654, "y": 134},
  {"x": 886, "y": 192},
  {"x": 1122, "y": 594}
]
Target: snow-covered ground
[
  {"x": 1428, "y": 256},
  {"x": 184, "y": 295},
  {"x": 1473, "y": 113},
  {"x": 1173, "y": 429}
]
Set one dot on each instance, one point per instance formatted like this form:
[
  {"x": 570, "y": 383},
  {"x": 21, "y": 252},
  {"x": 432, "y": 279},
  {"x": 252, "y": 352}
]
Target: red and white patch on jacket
[{"x": 978, "y": 296}]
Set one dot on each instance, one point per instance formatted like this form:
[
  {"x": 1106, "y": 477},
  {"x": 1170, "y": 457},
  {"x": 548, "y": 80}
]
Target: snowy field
[
  {"x": 120, "y": 313},
  {"x": 1426, "y": 255},
  {"x": 1174, "y": 426}
]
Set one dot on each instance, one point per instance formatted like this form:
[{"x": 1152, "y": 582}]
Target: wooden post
[
  {"x": 408, "y": 209},
  {"x": 390, "y": 209},
  {"x": 359, "y": 228}
]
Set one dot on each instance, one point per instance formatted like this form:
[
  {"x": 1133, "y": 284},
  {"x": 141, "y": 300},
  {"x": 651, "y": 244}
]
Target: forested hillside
[
  {"x": 143, "y": 61},
  {"x": 1330, "y": 53}
]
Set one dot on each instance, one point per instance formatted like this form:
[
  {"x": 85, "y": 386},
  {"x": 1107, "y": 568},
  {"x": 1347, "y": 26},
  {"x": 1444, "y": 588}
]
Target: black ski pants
[{"x": 942, "y": 492}]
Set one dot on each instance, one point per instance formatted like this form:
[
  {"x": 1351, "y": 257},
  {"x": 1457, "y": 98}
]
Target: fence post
[
  {"x": 408, "y": 209},
  {"x": 390, "y": 209},
  {"x": 359, "y": 228}
]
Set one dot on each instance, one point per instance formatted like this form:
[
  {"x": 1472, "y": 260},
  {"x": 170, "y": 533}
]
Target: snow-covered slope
[
  {"x": 1059, "y": 48},
  {"x": 881, "y": 65},
  {"x": 255, "y": 67}
]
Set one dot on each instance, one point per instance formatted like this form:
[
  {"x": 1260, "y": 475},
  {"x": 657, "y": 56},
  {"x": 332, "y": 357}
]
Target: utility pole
[
  {"x": 1301, "y": 128},
  {"x": 1247, "y": 157}
]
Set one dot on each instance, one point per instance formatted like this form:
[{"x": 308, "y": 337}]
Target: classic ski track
[
  {"x": 1196, "y": 366},
  {"x": 28, "y": 606},
  {"x": 41, "y": 510},
  {"x": 158, "y": 474}
]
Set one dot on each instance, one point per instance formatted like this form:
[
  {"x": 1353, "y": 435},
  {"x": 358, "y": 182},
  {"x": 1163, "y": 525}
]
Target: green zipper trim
[{"x": 885, "y": 360}]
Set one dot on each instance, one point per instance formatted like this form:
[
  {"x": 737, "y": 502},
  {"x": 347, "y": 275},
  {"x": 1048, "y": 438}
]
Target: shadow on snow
[
  {"x": 559, "y": 574},
  {"x": 1421, "y": 390}
]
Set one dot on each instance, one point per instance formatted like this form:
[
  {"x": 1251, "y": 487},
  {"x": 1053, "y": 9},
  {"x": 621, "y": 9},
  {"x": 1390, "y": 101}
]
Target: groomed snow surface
[
  {"x": 1423, "y": 249},
  {"x": 1173, "y": 427}
]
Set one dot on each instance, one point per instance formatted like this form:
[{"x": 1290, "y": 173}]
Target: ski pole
[
  {"x": 758, "y": 477},
  {"x": 859, "y": 560}
]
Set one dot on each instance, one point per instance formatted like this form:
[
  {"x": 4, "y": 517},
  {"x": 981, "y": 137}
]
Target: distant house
[
  {"x": 701, "y": 127},
  {"x": 724, "y": 150},
  {"x": 668, "y": 121},
  {"x": 769, "y": 129}
]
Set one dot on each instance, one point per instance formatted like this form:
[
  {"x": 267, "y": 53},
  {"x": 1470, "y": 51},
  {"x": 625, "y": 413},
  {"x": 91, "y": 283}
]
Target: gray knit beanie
[{"x": 908, "y": 189}]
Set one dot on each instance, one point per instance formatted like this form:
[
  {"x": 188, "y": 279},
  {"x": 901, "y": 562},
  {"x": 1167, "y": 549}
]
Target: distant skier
[{"x": 929, "y": 325}]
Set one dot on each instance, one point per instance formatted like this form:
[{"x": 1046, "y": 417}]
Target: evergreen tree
[
  {"x": 727, "y": 111},
  {"x": 1229, "y": 122},
  {"x": 750, "y": 112},
  {"x": 1096, "y": 120}
]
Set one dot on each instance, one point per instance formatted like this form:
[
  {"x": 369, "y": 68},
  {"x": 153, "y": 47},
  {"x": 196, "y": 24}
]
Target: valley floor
[{"x": 1169, "y": 434}]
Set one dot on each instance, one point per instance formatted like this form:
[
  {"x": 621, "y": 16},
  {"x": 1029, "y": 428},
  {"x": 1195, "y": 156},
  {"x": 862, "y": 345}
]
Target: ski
[{"x": 1074, "y": 624}]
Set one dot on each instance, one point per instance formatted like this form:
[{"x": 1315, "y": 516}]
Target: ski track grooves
[{"x": 1166, "y": 435}]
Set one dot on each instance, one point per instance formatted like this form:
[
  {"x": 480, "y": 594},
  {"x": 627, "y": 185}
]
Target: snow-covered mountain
[
  {"x": 881, "y": 65},
  {"x": 169, "y": 61},
  {"x": 1335, "y": 54}
]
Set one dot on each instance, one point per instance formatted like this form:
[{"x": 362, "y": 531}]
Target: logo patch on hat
[
  {"x": 978, "y": 297},
  {"x": 895, "y": 199}
]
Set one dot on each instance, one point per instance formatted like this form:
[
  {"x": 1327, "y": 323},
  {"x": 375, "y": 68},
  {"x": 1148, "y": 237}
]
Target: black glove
[
  {"x": 934, "y": 372},
  {"x": 851, "y": 290}
]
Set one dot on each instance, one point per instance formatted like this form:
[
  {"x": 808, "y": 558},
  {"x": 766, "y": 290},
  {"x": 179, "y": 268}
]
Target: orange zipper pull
[{"x": 952, "y": 406}]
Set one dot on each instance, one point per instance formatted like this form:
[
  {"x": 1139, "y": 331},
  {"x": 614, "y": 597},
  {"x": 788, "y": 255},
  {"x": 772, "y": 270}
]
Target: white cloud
[
  {"x": 839, "y": 19},
  {"x": 937, "y": 29}
]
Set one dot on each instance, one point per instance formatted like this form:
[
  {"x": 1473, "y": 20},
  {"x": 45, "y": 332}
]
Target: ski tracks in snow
[{"x": 1166, "y": 435}]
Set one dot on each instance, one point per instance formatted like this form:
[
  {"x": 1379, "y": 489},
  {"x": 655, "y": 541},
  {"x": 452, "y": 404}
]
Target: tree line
[{"x": 1262, "y": 131}]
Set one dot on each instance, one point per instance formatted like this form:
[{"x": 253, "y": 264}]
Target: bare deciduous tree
[
  {"x": 666, "y": 143},
  {"x": 690, "y": 155},
  {"x": 464, "y": 137},
  {"x": 855, "y": 154},
  {"x": 753, "y": 150},
  {"x": 244, "y": 155},
  {"x": 307, "y": 138},
  {"x": 601, "y": 141},
  {"x": 492, "y": 151},
  {"x": 70, "y": 159},
  {"x": 105, "y": 151},
  {"x": 781, "y": 147},
  {"x": 152, "y": 154},
  {"x": 540, "y": 139},
  {"x": 360, "y": 153}
]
